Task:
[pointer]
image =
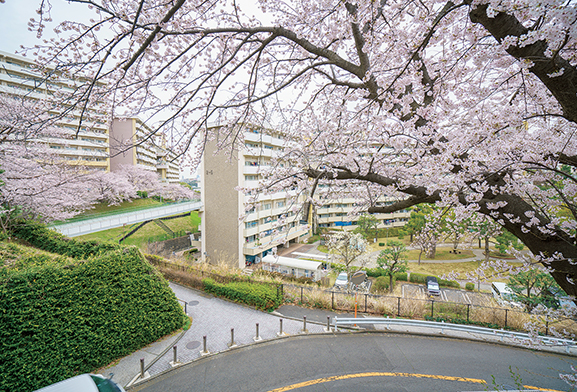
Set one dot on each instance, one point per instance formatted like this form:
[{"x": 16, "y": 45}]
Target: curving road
[{"x": 368, "y": 362}]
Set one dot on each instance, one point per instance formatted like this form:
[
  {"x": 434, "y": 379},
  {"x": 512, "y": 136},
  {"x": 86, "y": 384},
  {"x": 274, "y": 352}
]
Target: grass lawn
[
  {"x": 443, "y": 253},
  {"x": 136, "y": 203},
  {"x": 440, "y": 269},
  {"x": 140, "y": 238}
]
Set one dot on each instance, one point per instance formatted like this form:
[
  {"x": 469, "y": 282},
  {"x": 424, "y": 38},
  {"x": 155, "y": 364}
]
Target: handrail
[
  {"x": 97, "y": 215},
  {"x": 456, "y": 327}
]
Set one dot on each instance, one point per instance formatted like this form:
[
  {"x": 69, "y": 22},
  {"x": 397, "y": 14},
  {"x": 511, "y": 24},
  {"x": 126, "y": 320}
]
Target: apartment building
[
  {"x": 341, "y": 214},
  {"x": 94, "y": 145},
  {"x": 270, "y": 223},
  {"x": 129, "y": 145},
  {"x": 87, "y": 146}
]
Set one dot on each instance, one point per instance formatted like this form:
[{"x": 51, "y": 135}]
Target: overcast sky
[{"x": 15, "y": 14}]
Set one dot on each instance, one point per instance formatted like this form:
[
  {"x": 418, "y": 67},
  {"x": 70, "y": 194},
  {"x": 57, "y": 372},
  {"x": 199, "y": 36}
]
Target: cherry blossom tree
[
  {"x": 348, "y": 248},
  {"x": 36, "y": 182},
  {"x": 467, "y": 104}
]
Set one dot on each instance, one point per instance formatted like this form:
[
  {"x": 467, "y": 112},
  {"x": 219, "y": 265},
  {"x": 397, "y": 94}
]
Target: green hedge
[
  {"x": 418, "y": 278},
  {"x": 60, "y": 321},
  {"x": 422, "y": 278},
  {"x": 262, "y": 296},
  {"x": 449, "y": 283},
  {"x": 381, "y": 283},
  {"x": 470, "y": 286},
  {"x": 376, "y": 272},
  {"x": 51, "y": 241}
]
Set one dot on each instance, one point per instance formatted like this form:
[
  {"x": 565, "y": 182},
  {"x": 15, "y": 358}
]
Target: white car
[
  {"x": 84, "y": 383},
  {"x": 342, "y": 281}
]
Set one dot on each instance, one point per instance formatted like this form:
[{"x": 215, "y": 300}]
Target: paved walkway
[
  {"x": 214, "y": 318},
  {"x": 87, "y": 226},
  {"x": 211, "y": 317}
]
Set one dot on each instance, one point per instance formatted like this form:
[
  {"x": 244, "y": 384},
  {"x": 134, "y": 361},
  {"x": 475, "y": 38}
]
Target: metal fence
[
  {"x": 392, "y": 306},
  {"x": 417, "y": 308}
]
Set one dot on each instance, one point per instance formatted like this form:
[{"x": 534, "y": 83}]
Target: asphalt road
[{"x": 368, "y": 362}]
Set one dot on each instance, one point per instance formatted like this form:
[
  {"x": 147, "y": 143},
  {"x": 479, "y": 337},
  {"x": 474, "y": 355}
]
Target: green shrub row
[
  {"x": 422, "y": 278},
  {"x": 449, "y": 283},
  {"x": 381, "y": 283},
  {"x": 376, "y": 272},
  {"x": 58, "y": 322},
  {"x": 262, "y": 296},
  {"x": 418, "y": 278},
  {"x": 43, "y": 238},
  {"x": 470, "y": 286}
]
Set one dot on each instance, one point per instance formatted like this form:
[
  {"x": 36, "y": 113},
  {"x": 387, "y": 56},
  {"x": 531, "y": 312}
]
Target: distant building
[
  {"x": 89, "y": 147},
  {"x": 94, "y": 146},
  {"x": 129, "y": 146},
  {"x": 270, "y": 224},
  {"x": 335, "y": 214}
]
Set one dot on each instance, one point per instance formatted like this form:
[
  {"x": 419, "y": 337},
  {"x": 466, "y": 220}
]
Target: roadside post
[{"x": 357, "y": 278}]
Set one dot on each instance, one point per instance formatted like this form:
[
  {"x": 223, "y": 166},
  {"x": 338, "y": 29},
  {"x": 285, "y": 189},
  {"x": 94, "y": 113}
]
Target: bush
[
  {"x": 418, "y": 278},
  {"x": 470, "y": 286},
  {"x": 449, "y": 283},
  {"x": 43, "y": 238},
  {"x": 374, "y": 272},
  {"x": 58, "y": 322},
  {"x": 401, "y": 276},
  {"x": 381, "y": 283},
  {"x": 190, "y": 251},
  {"x": 142, "y": 194},
  {"x": 262, "y": 296},
  {"x": 381, "y": 244}
]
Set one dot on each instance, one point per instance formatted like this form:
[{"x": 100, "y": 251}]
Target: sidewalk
[
  {"x": 211, "y": 317},
  {"x": 214, "y": 318}
]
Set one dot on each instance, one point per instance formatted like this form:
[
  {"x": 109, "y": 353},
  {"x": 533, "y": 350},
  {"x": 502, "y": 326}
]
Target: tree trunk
[{"x": 391, "y": 283}]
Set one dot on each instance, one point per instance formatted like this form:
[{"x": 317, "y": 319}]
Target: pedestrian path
[{"x": 211, "y": 317}]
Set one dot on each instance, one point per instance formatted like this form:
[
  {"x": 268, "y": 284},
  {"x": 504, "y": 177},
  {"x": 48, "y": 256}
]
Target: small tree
[
  {"x": 393, "y": 260},
  {"x": 367, "y": 224},
  {"x": 506, "y": 240},
  {"x": 348, "y": 247},
  {"x": 532, "y": 287}
]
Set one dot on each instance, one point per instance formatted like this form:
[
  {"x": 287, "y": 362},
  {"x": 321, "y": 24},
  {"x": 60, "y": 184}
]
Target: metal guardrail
[{"x": 501, "y": 333}]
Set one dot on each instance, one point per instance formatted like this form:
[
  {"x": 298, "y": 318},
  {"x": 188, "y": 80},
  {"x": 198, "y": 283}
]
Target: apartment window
[
  {"x": 266, "y": 206},
  {"x": 341, "y": 214},
  {"x": 250, "y": 178},
  {"x": 268, "y": 147},
  {"x": 280, "y": 204},
  {"x": 248, "y": 225}
]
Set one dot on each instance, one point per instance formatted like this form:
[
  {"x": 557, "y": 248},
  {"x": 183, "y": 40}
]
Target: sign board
[{"x": 358, "y": 277}]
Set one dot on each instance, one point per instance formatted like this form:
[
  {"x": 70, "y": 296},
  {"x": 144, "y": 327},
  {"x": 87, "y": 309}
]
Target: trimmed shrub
[
  {"x": 381, "y": 283},
  {"x": 449, "y": 283},
  {"x": 381, "y": 244},
  {"x": 401, "y": 276},
  {"x": 470, "y": 286},
  {"x": 61, "y": 321},
  {"x": 418, "y": 278},
  {"x": 43, "y": 238},
  {"x": 260, "y": 295},
  {"x": 374, "y": 272}
]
